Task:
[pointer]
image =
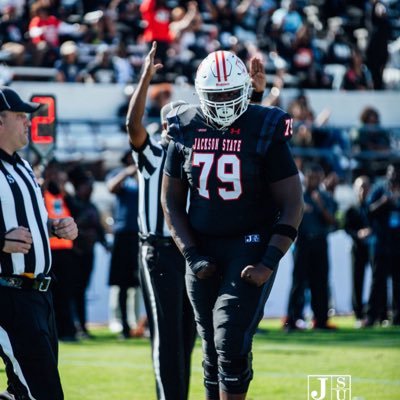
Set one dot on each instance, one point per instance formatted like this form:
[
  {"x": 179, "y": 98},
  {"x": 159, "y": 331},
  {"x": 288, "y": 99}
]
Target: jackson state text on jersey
[{"x": 226, "y": 170}]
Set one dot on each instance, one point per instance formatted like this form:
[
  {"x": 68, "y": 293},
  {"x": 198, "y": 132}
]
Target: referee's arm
[
  {"x": 136, "y": 130},
  {"x": 64, "y": 228}
]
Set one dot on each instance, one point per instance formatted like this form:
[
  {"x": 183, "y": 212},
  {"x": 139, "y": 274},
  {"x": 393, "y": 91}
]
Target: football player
[{"x": 245, "y": 207}]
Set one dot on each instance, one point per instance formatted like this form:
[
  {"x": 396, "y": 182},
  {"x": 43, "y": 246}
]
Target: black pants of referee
[
  {"x": 170, "y": 316},
  {"x": 28, "y": 344},
  {"x": 228, "y": 309}
]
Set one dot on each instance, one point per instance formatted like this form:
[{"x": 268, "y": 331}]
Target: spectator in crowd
[
  {"x": 357, "y": 76},
  {"x": 124, "y": 269},
  {"x": 328, "y": 145},
  {"x": 305, "y": 60},
  {"x": 128, "y": 21},
  {"x": 329, "y": 184},
  {"x": 357, "y": 225},
  {"x": 157, "y": 17},
  {"x": 162, "y": 267},
  {"x": 57, "y": 201},
  {"x": 287, "y": 18},
  {"x": 370, "y": 142},
  {"x": 45, "y": 29},
  {"x": 124, "y": 69},
  {"x": 12, "y": 35},
  {"x": 103, "y": 68},
  {"x": 371, "y": 136},
  {"x": 91, "y": 231},
  {"x": 339, "y": 48},
  {"x": 377, "y": 53},
  {"x": 310, "y": 256},
  {"x": 191, "y": 42},
  {"x": 384, "y": 211},
  {"x": 99, "y": 28},
  {"x": 68, "y": 68},
  {"x": 223, "y": 14}
]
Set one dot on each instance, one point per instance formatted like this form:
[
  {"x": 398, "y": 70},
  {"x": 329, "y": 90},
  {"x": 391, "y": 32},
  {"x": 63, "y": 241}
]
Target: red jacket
[
  {"x": 49, "y": 26},
  {"x": 157, "y": 20}
]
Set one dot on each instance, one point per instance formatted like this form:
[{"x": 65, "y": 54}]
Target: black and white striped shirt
[
  {"x": 150, "y": 159},
  {"x": 21, "y": 204}
]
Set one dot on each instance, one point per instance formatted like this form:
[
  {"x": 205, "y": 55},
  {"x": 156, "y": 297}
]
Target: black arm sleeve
[
  {"x": 174, "y": 161},
  {"x": 279, "y": 162}
]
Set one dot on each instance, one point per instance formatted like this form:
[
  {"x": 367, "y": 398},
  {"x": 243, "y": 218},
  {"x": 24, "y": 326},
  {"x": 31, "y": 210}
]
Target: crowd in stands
[{"x": 312, "y": 43}]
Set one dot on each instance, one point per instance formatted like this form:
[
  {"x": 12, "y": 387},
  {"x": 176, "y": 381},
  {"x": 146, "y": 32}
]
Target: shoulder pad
[
  {"x": 178, "y": 119},
  {"x": 276, "y": 127}
]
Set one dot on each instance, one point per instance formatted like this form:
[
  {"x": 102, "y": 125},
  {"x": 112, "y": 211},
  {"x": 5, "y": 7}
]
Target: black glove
[{"x": 202, "y": 266}]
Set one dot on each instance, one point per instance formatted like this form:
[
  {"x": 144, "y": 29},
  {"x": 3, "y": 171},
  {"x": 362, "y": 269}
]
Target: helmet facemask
[{"x": 222, "y": 84}]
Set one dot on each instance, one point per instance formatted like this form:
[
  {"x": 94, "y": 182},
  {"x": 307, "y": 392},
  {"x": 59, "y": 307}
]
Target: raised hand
[
  {"x": 257, "y": 74},
  {"x": 149, "y": 68}
]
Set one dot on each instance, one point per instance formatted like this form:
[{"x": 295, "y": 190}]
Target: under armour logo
[
  {"x": 10, "y": 178},
  {"x": 234, "y": 131}
]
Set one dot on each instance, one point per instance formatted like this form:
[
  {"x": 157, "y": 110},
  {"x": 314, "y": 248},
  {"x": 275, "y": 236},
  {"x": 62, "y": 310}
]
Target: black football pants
[
  {"x": 227, "y": 309},
  {"x": 28, "y": 344},
  {"x": 170, "y": 316}
]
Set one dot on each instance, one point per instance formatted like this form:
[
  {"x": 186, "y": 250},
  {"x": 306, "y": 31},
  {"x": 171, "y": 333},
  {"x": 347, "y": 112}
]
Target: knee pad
[
  {"x": 235, "y": 374},
  {"x": 211, "y": 380}
]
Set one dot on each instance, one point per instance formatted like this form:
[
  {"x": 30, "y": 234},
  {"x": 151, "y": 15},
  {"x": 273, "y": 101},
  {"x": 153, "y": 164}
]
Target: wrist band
[
  {"x": 272, "y": 256},
  {"x": 256, "y": 97},
  {"x": 285, "y": 230}
]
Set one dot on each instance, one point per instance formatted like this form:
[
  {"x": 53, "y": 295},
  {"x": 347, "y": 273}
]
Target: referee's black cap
[{"x": 10, "y": 101}]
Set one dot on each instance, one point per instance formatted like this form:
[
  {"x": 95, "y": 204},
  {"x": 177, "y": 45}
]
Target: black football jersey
[{"x": 229, "y": 171}]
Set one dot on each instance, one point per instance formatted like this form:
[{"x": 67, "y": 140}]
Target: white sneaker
[
  {"x": 301, "y": 324},
  {"x": 358, "y": 324}
]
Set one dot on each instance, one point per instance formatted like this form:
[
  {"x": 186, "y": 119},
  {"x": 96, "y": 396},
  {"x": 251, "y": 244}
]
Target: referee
[
  {"x": 162, "y": 268},
  {"x": 28, "y": 339}
]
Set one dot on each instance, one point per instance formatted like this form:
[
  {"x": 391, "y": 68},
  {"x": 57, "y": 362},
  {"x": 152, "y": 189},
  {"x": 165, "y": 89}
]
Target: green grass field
[{"x": 106, "y": 368}]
